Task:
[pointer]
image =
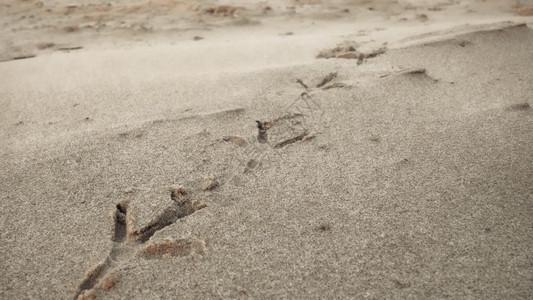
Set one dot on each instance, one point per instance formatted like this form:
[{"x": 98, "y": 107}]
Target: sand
[{"x": 164, "y": 149}]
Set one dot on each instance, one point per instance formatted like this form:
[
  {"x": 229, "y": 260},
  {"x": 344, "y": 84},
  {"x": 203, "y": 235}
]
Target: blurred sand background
[{"x": 266, "y": 149}]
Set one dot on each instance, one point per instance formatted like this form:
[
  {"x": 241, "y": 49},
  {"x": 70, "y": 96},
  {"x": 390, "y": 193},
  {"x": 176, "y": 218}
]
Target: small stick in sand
[
  {"x": 262, "y": 134},
  {"x": 23, "y": 57},
  {"x": 360, "y": 58},
  {"x": 327, "y": 79},
  {"x": 302, "y": 83},
  {"x": 70, "y": 48}
]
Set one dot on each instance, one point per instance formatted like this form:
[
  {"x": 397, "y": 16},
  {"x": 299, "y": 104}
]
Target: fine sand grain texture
[{"x": 250, "y": 149}]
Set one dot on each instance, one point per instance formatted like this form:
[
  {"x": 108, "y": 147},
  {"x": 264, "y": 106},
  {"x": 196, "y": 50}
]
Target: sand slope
[{"x": 408, "y": 175}]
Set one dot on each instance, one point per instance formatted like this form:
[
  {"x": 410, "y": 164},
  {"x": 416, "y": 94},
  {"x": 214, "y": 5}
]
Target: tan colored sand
[{"x": 134, "y": 168}]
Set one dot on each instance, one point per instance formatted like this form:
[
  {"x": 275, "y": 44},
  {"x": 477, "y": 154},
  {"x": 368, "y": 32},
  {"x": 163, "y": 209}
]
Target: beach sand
[{"x": 253, "y": 149}]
